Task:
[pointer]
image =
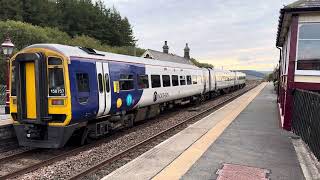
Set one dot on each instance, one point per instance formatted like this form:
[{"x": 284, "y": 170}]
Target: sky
[{"x": 226, "y": 33}]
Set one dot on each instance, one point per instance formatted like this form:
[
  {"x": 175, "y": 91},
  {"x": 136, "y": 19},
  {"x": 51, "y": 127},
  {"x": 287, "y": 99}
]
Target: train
[{"x": 58, "y": 92}]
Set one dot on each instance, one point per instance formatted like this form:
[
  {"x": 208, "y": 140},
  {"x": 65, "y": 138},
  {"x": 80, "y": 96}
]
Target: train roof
[{"x": 75, "y": 51}]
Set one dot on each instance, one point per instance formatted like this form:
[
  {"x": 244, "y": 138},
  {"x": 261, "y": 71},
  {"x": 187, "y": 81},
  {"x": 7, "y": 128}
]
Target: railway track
[
  {"x": 8, "y": 144},
  {"x": 123, "y": 154},
  {"x": 25, "y": 161},
  {"x": 28, "y": 164}
]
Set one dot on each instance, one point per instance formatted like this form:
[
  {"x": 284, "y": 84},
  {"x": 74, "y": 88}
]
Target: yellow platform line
[{"x": 177, "y": 168}]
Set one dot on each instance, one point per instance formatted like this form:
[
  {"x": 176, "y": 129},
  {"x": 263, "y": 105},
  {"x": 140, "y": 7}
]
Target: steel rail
[
  {"x": 17, "y": 156},
  {"x": 96, "y": 167},
  {"x": 44, "y": 162}
]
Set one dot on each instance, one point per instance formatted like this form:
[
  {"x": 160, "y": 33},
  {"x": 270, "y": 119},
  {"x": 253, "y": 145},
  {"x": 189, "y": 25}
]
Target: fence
[
  {"x": 2, "y": 95},
  {"x": 306, "y": 118}
]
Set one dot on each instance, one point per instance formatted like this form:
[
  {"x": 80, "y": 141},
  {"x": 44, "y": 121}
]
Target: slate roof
[
  {"x": 300, "y": 6},
  {"x": 168, "y": 57},
  {"x": 304, "y": 4}
]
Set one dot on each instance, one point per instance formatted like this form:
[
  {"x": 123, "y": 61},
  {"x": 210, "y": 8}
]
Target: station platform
[
  {"x": 5, "y": 120},
  {"x": 245, "y": 133}
]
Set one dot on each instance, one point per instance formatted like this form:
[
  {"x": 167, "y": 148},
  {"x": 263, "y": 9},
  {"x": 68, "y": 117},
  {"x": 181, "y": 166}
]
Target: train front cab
[{"x": 40, "y": 101}]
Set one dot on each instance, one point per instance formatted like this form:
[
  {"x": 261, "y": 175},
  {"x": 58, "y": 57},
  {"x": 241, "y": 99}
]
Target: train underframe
[{"x": 44, "y": 136}]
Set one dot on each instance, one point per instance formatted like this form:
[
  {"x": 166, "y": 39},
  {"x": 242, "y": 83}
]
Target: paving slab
[{"x": 253, "y": 139}]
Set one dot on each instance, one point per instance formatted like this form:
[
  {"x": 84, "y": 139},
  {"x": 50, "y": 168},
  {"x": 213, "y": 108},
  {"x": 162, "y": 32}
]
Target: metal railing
[
  {"x": 306, "y": 118},
  {"x": 2, "y": 95}
]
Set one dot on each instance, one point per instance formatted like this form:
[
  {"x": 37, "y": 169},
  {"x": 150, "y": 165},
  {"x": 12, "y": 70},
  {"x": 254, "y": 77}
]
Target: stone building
[{"x": 166, "y": 56}]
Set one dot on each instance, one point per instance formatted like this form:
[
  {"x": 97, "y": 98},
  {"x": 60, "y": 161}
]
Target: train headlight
[{"x": 57, "y": 102}]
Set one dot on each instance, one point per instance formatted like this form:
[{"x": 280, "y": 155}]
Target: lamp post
[{"x": 7, "y": 48}]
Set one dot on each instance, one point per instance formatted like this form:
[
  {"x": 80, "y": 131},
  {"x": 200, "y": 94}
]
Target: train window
[
  {"x": 199, "y": 79},
  {"x": 175, "y": 80},
  {"x": 194, "y": 79},
  {"x": 54, "y": 61},
  {"x": 56, "y": 82},
  {"x": 166, "y": 80},
  {"x": 189, "y": 81},
  {"x": 106, "y": 76},
  {"x": 155, "y": 81},
  {"x": 13, "y": 81},
  {"x": 143, "y": 81},
  {"x": 126, "y": 82},
  {"x": 83, "y": 82},
  {"x": 100, "y": 83},
  {"x": 182, "y": 80}
]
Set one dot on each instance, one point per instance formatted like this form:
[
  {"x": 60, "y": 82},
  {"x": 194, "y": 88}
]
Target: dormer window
[{"x": 148, "y": 56}]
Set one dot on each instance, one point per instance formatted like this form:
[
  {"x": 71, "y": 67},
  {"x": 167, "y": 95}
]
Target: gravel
[
  {"x": 12, "y": 152},
  {"x": 75, "y": 164}
]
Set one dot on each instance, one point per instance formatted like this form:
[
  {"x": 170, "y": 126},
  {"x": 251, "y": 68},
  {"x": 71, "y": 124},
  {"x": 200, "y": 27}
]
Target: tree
[
  {"x": 201, "y": 65},
  {"x": 11, "y": 10},
  {"x": 75, "y": 17}
]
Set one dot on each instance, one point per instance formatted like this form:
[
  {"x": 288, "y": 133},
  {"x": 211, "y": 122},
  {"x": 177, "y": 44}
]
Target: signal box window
[
  {"x": 126, "y": 82},
  {"x": 83, "y": 82},
  {"x": 155, "y": 81},
  {"x": 175, "y": 80},
  {"x": 308, "y": 47},
  {"x": 182, "y": 80},
  {"x": 143, "y": 81},
  {"x": 189, "y": 80},
  {"x": 166, "y": 80}
]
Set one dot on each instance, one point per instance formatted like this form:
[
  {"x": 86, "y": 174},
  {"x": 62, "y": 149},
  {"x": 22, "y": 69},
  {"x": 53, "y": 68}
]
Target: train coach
[{"x": 60, "y": 91}]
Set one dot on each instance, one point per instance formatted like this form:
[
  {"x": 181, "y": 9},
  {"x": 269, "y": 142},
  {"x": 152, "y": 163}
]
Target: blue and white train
[{"x": 60, "y": 91}]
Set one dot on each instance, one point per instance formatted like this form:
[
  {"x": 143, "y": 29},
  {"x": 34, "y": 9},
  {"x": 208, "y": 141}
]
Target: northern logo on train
[{"x": 157, "y": 96}]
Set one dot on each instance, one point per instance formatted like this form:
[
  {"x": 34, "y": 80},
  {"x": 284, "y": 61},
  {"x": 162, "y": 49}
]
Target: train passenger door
[
  {"x": 31, "y": 87},
  {"x": 30, "y": 90},
  {"x": 107, "y": 88},
  {"x": 102, "y": 95}
]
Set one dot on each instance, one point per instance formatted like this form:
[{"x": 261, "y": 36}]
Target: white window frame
[{"x": 304, "y": 72}]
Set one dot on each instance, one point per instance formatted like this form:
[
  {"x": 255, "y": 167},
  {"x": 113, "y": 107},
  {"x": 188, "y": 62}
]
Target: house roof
[
  {"x": 298, "y": 7},
  {"x": 166, "y": 57}
]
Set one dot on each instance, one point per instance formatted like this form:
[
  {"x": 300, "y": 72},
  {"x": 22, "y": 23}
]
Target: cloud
[{"x": 220, "y": 32}]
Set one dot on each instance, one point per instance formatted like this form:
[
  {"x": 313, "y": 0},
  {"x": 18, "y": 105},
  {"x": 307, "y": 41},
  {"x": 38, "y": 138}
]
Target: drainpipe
[{"x": 279, "y": 80}]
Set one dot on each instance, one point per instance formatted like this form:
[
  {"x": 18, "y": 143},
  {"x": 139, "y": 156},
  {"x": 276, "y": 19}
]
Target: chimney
[
  {"x": 187, "y": 52},
  {"x": 165, "y": 47}
]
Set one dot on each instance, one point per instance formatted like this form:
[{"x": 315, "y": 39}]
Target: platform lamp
[{"x": 7, "y": 48}]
